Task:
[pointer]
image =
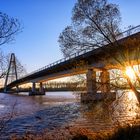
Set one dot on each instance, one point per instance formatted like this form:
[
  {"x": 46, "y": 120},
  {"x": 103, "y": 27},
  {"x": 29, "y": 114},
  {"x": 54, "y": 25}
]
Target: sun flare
[{"x": 130, "y": 73}]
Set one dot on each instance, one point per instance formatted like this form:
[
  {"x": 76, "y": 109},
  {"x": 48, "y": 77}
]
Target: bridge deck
[{"x": 97, "y": 58}]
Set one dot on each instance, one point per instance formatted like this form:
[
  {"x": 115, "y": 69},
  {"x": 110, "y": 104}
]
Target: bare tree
[
  {"x": 3, "y": 64},
  {"x": 96, "y": 24},
  {"x": 9, "y": 27}
]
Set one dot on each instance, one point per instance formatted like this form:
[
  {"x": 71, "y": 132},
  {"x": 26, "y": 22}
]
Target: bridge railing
[{"x": 124, "y": 34}]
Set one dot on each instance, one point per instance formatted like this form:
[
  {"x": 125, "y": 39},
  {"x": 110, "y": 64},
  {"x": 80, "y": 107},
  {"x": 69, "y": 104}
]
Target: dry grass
[
  {"x": 72, "y": 133},
  {"x": 66, "y": 133}
]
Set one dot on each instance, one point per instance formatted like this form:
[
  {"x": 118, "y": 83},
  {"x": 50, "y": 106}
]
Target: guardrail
[{"x": 120, "y": 36}]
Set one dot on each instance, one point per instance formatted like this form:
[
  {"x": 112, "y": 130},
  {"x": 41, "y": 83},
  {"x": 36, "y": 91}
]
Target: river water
[
  {"x": 57, "y": 109},
  {"x": 35, "y": 113}
]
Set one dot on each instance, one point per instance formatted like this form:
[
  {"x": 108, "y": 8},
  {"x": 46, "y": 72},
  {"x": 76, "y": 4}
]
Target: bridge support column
[
  {"x": 41, "y": 88},
  {"x": 5, "y": 89},
  {"x": 91, "y": 81},
  {"x": 33, "y": 87},
  {"x": 17, "y": 89},
  {"x": 105, "y": 87},
  {"x": 35, "y": 92},
  {"x": 105, "y": 82},
  {"x": 90, "y": 94}
]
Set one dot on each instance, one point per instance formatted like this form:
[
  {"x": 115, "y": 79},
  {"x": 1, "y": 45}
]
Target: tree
[
  {"x": 96, "y": 23},
  {"x": 3, "y": 64},
  {"x": 9, "y": 27}
]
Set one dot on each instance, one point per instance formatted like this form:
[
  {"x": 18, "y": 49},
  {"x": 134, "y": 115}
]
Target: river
[
  {"x": 35, "y": 113},
  {"x": 56, "y": 109}
]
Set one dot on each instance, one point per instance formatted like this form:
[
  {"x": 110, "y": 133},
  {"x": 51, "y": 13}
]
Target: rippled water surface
[
  {"x": 57, "y": 109},
  {"x": 35, "y": 113},
  {"x": 25, "y": 104}
]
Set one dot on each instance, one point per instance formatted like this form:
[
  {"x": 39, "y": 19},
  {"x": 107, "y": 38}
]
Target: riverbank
[{"x": 72, "y": 133}]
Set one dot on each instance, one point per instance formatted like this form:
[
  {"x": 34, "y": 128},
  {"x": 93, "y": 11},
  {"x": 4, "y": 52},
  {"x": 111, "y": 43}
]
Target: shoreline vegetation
[{"x": 128, "y": 132}]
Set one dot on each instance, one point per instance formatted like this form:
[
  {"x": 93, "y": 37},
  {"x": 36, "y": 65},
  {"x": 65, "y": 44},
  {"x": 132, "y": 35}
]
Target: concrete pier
[
  {"x": 34, "y": 92},
  {"x": 93, "y": 94},
  {"x": 41, "y": 87},
  {"x": 91, "y": 81},
  {"x": 90, "y": 94},
  {"x": 105, "y": 82}
]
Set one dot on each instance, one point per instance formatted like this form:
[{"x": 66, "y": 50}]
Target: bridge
[{"x": 86, "y": 62}]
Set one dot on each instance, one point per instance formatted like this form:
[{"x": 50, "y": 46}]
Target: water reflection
[
  {"x": 126, "y": 107},
  {"x": 105, "y": 116},
  {"x": 35, "y": 113},
  {"x": 28, "y": 104}
]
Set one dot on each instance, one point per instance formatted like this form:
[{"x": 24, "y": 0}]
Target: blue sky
[{"x": 43, "y": 21}]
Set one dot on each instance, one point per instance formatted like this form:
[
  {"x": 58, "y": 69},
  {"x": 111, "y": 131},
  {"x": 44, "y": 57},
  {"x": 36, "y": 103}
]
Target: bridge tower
[{"x": 11, "y": 72}]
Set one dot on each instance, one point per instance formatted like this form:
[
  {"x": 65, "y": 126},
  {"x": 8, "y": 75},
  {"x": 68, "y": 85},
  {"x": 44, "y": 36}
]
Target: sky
[{"x": 43, "y": 20}]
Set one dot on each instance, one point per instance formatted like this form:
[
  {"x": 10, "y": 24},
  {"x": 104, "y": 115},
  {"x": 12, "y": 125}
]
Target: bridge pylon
[{"x": 11, "y": 72}]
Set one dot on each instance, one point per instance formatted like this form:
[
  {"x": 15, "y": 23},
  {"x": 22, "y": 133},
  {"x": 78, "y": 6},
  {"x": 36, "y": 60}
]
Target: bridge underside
[{"x": 102, "y": 59}]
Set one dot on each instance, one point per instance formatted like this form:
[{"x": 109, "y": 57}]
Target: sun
[{"x": 130, "y": 73}]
